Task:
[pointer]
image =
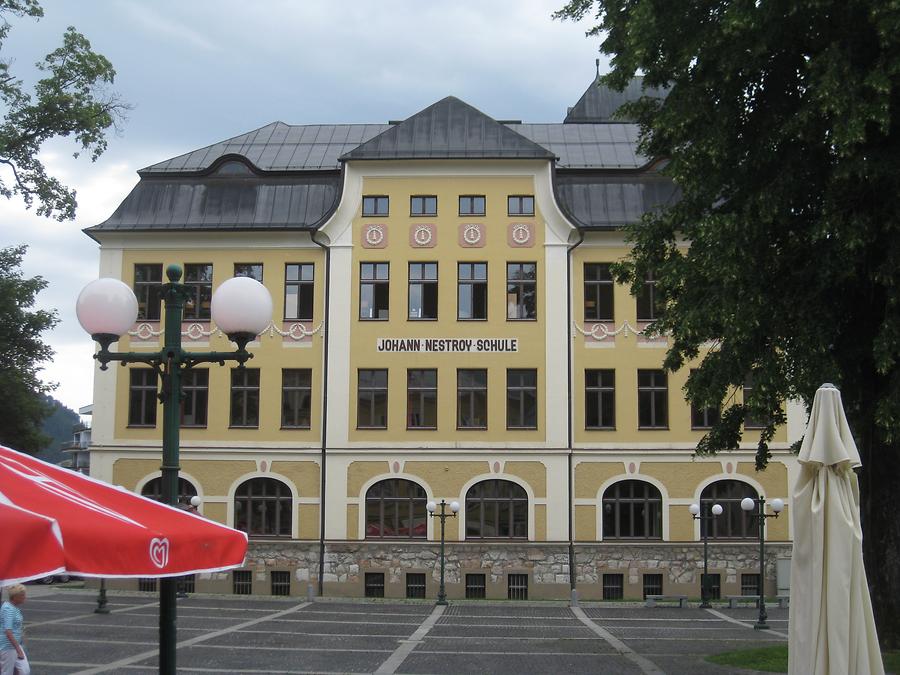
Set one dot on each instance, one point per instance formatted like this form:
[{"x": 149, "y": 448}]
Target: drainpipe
[
  {"x": 570, "y": 392},
  {"x": 325, "y": 337}
]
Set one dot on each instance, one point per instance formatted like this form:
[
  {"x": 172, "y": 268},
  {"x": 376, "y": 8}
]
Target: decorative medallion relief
[
  {"x": 423, "y": 235},
  {"x": 471, "y": 235},
  {"x": 520, "y": 235},
  {"x": 374, "y": 236}
]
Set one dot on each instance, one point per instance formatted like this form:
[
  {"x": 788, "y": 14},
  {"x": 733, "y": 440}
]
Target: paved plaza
[{"x": 246, "y": 634}]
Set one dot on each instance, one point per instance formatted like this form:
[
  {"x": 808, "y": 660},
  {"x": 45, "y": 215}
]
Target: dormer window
[{"x": 233, "y": 168}]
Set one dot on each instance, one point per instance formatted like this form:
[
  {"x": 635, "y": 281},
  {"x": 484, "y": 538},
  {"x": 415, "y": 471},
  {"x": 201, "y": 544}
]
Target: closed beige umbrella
[{"x": 832, "y": 630}]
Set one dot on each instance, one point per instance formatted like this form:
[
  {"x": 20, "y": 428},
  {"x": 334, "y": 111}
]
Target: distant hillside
[{"x": 58, "y": 426}]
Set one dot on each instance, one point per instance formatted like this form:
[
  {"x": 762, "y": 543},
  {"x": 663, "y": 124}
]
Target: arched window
[
  {"x": 632, "y": 509},
  {"x": 395, "y": 508},
  {"x": 153, "y": 490},
  {"x": 496, "y": 509},
  {"x": 262, "y": 508},
  {"x": 734, "y": 523}
]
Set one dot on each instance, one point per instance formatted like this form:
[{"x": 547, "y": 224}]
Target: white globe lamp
[
  {"x": 748, "y": 504},
  {"x": 454, "y": 507},
  {"x": 106, "y": 308},
  {"x": 242, "y": 309},
  {"x": 431, "y": 506},
  {"x": 694, "y": 509},
  {"x": 777, "y": 505},
  {"x": 717, "y": 509}
]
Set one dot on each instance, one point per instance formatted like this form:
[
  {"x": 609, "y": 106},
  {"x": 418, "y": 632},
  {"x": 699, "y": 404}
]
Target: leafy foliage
[
  {"x": 21, "y": 353},
  {"x": 72, "y": 99},
  {"x": 782, "y": 129}
]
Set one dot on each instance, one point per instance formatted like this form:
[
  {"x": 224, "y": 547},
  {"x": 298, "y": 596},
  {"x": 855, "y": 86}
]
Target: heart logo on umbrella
[{"x": 159, "y": 552}]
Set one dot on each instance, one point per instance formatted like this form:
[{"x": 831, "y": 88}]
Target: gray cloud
[{"x": 200, "y": 71}]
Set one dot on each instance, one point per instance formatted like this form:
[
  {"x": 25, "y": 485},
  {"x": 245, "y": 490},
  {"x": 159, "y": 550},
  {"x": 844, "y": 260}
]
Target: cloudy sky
[{"x": 200, "y": 71}]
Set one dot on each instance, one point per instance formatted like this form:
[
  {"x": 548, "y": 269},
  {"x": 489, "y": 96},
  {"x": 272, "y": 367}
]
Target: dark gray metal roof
[
  {"x": 449, "y": 129},
  {"x": 588, "y": 146},
  {"x": 232, "y": 201},
  {"x": 278, "y": 147},
  {"x": 599, "y": 103},
  {"x": 598, "y": 201}
]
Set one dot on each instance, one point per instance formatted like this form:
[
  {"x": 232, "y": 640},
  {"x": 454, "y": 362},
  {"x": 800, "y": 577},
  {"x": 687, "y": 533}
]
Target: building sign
[{"x": 448, "y": 345}]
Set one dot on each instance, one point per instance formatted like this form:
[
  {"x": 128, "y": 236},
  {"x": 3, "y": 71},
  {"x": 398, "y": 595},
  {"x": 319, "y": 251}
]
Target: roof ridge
[
  {"x": 443, "y": 130},
  {"x": 208, "y": 147}
]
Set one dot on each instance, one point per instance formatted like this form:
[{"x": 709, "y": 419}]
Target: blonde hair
[{"x": 14, "y": 590}]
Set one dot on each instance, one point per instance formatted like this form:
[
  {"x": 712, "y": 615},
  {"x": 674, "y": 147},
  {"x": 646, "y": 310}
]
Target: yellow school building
[{"x": 445, "y": 327}]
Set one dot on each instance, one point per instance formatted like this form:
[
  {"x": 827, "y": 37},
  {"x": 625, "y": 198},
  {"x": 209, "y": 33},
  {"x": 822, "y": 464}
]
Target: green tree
[
  {"x": 782, "y": 129},
  {"x": 21, "y": 354},
  {"x": 72, "y": 99}
]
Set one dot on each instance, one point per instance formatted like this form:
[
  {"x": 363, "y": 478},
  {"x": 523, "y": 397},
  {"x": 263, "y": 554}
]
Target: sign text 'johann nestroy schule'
[{"x": 448, "y": 345}]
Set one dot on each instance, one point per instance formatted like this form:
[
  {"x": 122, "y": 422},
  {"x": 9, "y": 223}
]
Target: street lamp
[
  {"x": 443, "y": 515},
  {"x": 748, "y": 504},
  {"x": 704, "y": 520},
  {"x": 190, "y": 506},
  {"x": 107, "y": 309}
]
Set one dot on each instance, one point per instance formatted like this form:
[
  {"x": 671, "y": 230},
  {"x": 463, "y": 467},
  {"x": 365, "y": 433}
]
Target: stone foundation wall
[{"x": 545, "y": 564}]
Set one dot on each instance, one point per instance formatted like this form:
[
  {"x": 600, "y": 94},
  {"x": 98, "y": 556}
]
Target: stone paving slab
[
  {"x": 571, "y": 645},
  {"x": 505, "y": 664},
  {"x": 65, "y": 636}
]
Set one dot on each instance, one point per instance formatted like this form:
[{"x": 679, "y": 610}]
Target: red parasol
[{"x": 56, "y": 520}]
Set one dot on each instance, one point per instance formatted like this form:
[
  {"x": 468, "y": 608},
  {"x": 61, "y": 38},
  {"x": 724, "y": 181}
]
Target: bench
[
  {"x": 733, "y": 600},
  {"x": 782, "y": 600},
  {"x": 651, "y": 600}
]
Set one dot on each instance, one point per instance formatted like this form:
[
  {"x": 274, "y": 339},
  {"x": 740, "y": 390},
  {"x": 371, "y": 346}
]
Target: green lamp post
[{"x": 107, "y": 308}]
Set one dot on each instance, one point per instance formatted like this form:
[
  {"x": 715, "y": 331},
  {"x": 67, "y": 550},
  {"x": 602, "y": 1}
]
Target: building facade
[{"x": 445, "y": 327}]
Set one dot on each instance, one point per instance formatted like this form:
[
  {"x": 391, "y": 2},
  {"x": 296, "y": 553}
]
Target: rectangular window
[
  {"x": 521, "y": 291},
  {"x": 423, "y": 205},
  {"x": 298, "y": 291},
  {"x": 195, "y": 390},
  {"x": 520, "y": 205},
  {"x": 751, "y": 422},
  {"x": 613, "y": 586},
  {"x": 423, "y": 290},
  {"x": 653, "y": 393},
  {"x": 281, "y": 583},
  {"x": 471, "y": 205},
  {"x": 252, "y": 270},
  {"x": 600, "y": 399},
  {"x": 374, "y": 582},
  {"x": 296, "y": 397},
  {"x": 521, "y": 399},
  {"x": 198, "y": 279},
  {"x": 471, "y": 399},
  {"x": 245, "y": 397},
  {"x": 421, "y": 399},
  {"x": 415, "y": 585},
  {"x": 647, "y": 301},
  {"x": 372, "y": 399},
  {"x": 475, "y": 587},
  {"x": 517, "y": 586},
  {"x": 147, "y": 585},
  {"x": 242, "y": 582},
  {"x": 653, "y": 584},
  {"x": 187, "y": 583},
  {"x": 376, "y": 205},
  {"x": 703, "y": 418},
  {"x": 713, "y": 585},
  {"x": 598, "y": 292},
  {"x": 142, "y": 398},
  {"x": 750, "y": 584},
  {"x": 472, "y": 291},
  {"x": 374, "y": 290},
  {"x": 148, "y": 290}
]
